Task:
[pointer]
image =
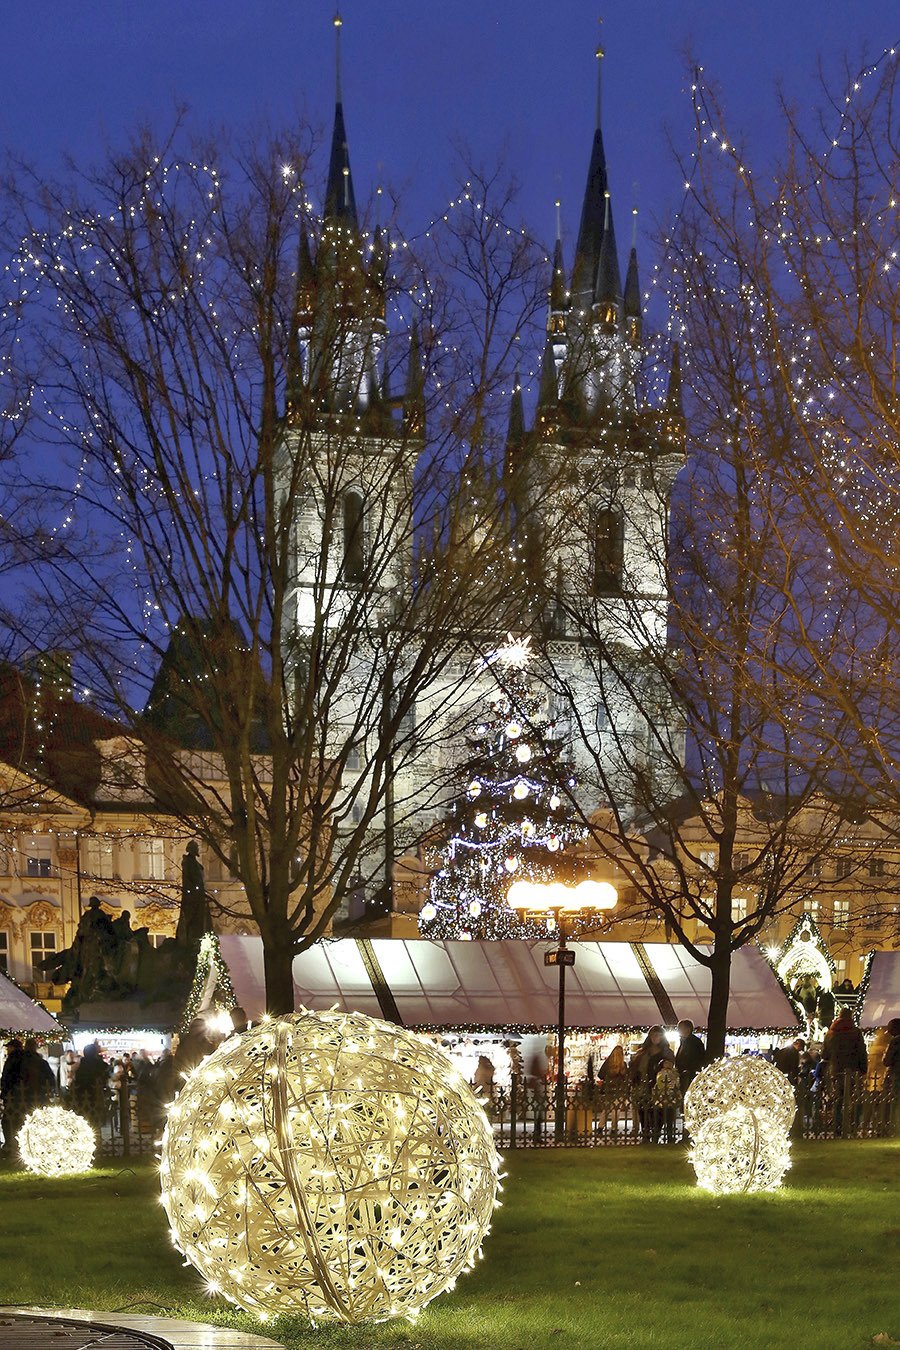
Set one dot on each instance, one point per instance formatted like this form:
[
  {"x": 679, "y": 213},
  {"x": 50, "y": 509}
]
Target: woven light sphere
[
  {"x": 740, "y": 1151},
  {"x": 54, "y": 1142},
  {"x": 745, "y": 1081},
  {"x": 328, "y": 1164}
]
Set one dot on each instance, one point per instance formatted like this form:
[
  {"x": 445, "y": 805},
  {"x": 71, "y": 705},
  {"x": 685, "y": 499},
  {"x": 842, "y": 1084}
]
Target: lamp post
[{"x": 559, "y": 902}]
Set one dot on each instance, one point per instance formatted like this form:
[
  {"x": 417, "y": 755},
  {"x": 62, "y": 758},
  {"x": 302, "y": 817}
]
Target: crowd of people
[
  {"x": 101, "y": 1087},
  {"x": 644, "y": 1094}
]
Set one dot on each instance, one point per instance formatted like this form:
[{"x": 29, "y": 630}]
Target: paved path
[{"x": 79, "y": 1329}]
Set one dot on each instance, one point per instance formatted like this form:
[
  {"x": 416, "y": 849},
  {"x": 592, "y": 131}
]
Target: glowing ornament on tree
[
  {"x": 739, "y": 1152},
  {"x": 329, "y": 1164},
  {"x": 523, "y": 753},
  {"x": 481, "y": 819},
  {"x": 54, "y": 1142},
  {"x": 513, "y": 730},
  {"x": 474, "y": 789},
  {"x": 520, "y": 791},
  {"x": 745, "y": 1081}
]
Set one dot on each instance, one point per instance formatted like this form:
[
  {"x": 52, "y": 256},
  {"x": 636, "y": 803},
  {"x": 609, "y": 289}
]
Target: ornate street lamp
[{"x": 563, "y": 904}]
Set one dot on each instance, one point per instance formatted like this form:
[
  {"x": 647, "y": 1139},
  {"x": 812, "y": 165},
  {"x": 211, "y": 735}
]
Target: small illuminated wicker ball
[
  {"x": 744, "y": 1081},
  {"x": 54, "y": 1142},
  {"x": 740, "y": 1151},
  {"x": 329, "y": 1164}
]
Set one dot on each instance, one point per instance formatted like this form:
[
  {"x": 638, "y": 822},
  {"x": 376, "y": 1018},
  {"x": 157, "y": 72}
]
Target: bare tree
[
  {"x": 696, "y": 706},
  {"x": 272, "y": 568},
  {"x": 817, "y": 246}
]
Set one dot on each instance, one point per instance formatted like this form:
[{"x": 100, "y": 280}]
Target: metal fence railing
[
  {"x": 129, "y": 1117},
  {"x": 524, "y": 1114}
]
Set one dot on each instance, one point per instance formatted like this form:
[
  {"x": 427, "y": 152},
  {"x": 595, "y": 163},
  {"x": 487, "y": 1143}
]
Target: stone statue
[
  {"x": 193, "y": 919},
  {"x": 90, "y": 963}
]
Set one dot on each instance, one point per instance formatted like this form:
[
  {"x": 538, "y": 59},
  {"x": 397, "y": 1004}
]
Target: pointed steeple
[
  {"x": 672, "y": 421},
  {"x": 547, "y": 417},
  {"x": 414, "y": 399},
  {"x": 609, "y": 279},
  {"x": 558, "y": 295},
  {"x": 674, "y": 406},
  {"x": 590, "y": 229},
  {"x": 301, "y": 324},
  {"x": 515, "y": 433},
  {"x": 340, "y": 201},
  {"x": 632, "y": 284}
]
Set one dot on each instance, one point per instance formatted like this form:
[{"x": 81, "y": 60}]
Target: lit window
[
  {"x": 738, "y": 908},
  {"x": 42, "y": 944},
  {"x": 4, "y": 953},
  {"x": 153, "y": 859},
  {"x": 38, "y": 856},
  {"x": 354, "y": 537},
  {"x": 841, "y": 913},
  {"x": 609, "y": 548},
  {"x": 812, "y": 909},
  {"x": 708, "y": 859}
]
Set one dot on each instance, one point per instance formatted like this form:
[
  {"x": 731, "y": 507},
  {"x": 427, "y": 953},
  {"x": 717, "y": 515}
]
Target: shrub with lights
[
  {"x": 739, "y": 1113},
  {"x": 512, "y": 818},
  {"x": 54, "y": 1142},
  {"x": 329, "y": 1164}
]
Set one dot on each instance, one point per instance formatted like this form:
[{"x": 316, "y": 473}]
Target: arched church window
[
  {"x": 609, "y": 547},
  {"x": 354, "y": 536}
]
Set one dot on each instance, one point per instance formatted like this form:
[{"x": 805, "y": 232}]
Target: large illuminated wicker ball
[
  {"x": 329, "y": 1164},
  {"x": 745, "y": 1081},
  {"x": 740, "y": 1151},
  {"x": 54, "y": 1141}
]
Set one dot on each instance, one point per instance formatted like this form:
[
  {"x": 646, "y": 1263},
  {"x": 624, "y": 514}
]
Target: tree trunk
[
  {"x": 717, "y": 1017},
  {"x": 278, "y": 961}
]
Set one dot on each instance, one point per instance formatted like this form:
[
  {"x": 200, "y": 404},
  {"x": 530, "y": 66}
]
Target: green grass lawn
[{"x": 606, "y": 1248}]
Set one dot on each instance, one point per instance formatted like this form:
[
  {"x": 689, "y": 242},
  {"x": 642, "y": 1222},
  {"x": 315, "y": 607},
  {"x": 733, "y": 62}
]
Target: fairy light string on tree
[{"x": 513, "y": 817}]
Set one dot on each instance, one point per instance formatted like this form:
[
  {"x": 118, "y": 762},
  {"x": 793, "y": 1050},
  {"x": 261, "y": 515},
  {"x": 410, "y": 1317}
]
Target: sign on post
[{"x": 563, "y": 956}]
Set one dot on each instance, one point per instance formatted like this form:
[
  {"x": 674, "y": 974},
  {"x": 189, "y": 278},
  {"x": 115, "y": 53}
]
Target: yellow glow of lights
[
  {"x": 739, "y": 1112},
  {"x": 739, "y": 1152},
  {"x": 54, "y": 1142},
  {"x": 553, "y": 896},
  {"x": 352, "y": 1178},
  {"x": 745, "y": 1081}
]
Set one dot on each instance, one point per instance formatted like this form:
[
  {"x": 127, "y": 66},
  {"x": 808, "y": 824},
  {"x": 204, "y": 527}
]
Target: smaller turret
[
  {"x": 414, "y": 398},
  {"x": 608, "y": 290},
  {"x": 632, "y": 297},
  {"x": 673, "y": 423}
]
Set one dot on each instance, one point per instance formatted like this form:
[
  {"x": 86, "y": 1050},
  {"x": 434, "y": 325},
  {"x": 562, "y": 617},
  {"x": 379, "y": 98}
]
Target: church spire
[
  {"x": 558, "y": 297},
  {"x": 632, "y": 297},
  {"x": 414, "y": 399},
  {"x": 340, "y": 201},
  {"x": 674, "y": 406},
  {"x": 590, "y": 229},
  {"x": 609, "y": 278}
]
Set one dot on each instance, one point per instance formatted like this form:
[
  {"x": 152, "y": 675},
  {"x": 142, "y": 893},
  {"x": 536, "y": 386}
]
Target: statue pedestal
[{"x": 125, "y": 1014}]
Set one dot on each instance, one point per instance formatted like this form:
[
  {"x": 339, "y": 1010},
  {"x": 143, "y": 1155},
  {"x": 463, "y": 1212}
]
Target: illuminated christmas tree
[{"x": 512, "y": 819}]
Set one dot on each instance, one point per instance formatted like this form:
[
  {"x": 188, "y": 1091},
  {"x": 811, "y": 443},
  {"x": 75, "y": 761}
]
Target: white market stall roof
[
  {"x": 20, "y": 1015},
  {"x": 506, "y": 984},
  {"x": 882, "y": 1000}
]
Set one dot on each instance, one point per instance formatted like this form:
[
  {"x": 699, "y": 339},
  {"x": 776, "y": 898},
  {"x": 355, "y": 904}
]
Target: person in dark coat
[
  {"x": 843, "y": 1052},
  {"x": 11, "y": 1093},
  {"x": 90, "y": 1095},
  {"x": 787, "y": 1059},
  {"x": 644, "y": 1067},
  {"x": 690, "y": 1057},
  {"x": 39, "y": 1080},
  {"x": 891, "y": 1063}
]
